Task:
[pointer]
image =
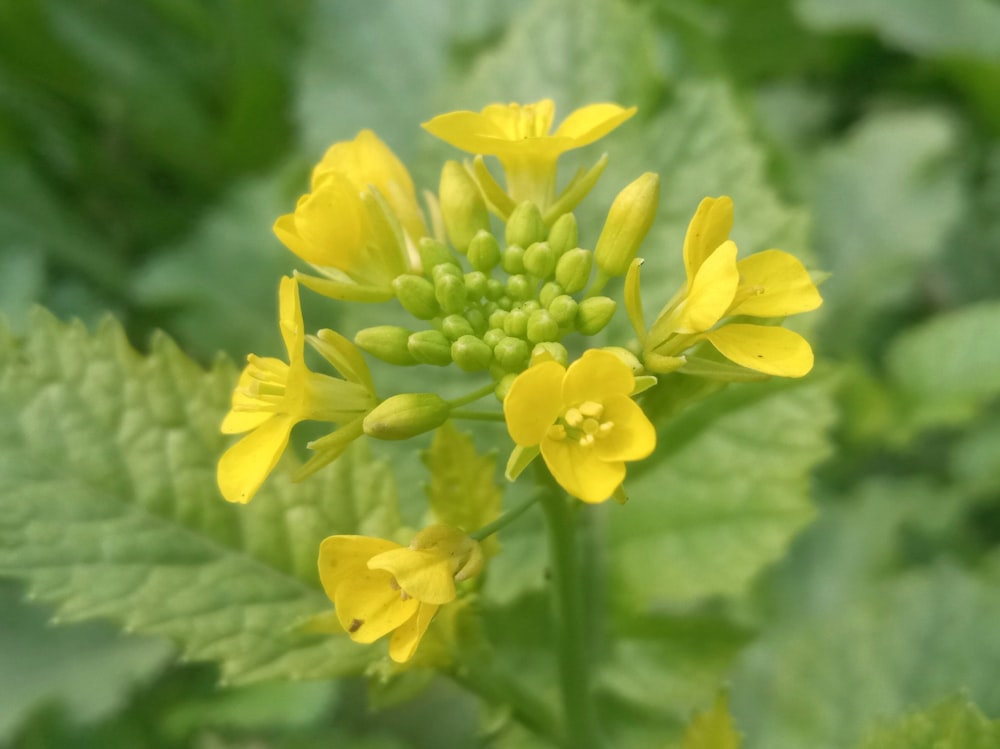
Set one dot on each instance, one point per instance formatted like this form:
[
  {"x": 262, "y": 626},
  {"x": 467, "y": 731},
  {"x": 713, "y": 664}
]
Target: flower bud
[
  {"x": 433, "y": 254},
  {"x": 520, "y": 288},
  {"x": 627, "y": 358},
  {"x": 627, "y": 224},
  {"x": 540, "y": 260},
  {"x": 525, "y": 225},
  {"x": 456, "y": 326},
  {"x": 446, "y": 269},
  {"x": 563, "y": 236},
  {"x": 512, "y": 353},
  {"x": 542, "y": 326},
  {"x": 495, "y": 289},
  {"x": 477, "y": 320},
  {"x": 475, "y": 285},
  {"x": 484, "y": 251},
  {"x": 464, "y": 554},
  {"x": 530, "y": 305},
  {"x": 512, "y": 259},
  {"x": 471, "y": 354},
  {"x": 563, "y": 310},
  {"x": 549, "y": 292},
  {"x": 573, "y": 270},
  {"x": 497, "y": 318},
  {"x": 430, "y": 347},
  {"x": 450, "y": 293},
  {"x": 550, "y": 349},
  {"x": 516, "y": 323},
  {"x": 493, "y": 336},
  {"x": 504, "y": 385},
  {"x": 594, "y": 313},
  {"x": 416, "y": 294},
  {"x": 462, "y": 206},
  {"x": 403, "y": 416},
  {"x": 386, "y": 342}
]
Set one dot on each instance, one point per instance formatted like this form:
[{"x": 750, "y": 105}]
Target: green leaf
[
  {"x": 726, "y": 490},
  {"x": 109, "y": 506},
  {"x": 945, "y": 370},
  {"x": 463, "y": 491},
  {"x": 953, "y": 724},
  {"x": 713, "y": 728}
]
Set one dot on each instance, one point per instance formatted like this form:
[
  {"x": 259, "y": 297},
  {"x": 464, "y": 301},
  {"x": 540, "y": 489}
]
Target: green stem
[
  {"x": 508, "y": 517},
  {"x": 600, "y": 281},
  {"x": 476, "y": 415},
  {"x": 473, "y": 396},
  {"x": 574, "y": 659}
]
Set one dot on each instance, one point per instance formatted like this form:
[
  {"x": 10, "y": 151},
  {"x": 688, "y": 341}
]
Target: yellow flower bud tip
[
  {"x": 525, "y": 225},
  {"x": 462, "y": 206},
  {"x": 594, "y": 314},
  {"x": 628, "y": 222},
  {"x": 582, "y": 419},
  {"x": 407, "y": 415}
]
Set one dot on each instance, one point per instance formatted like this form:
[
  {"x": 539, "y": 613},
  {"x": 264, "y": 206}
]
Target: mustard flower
[
  {"x": 518, "y": 135},
  {"x": 378, "y": 586},
  {"x": 271, "y": 397},
  {"x": 349, "y": 226},
  {"x": 768, "y": 284},
  {"x": 583, "y": 421}
]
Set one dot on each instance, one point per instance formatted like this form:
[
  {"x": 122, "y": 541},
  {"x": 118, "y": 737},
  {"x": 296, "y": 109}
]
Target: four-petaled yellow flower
[
  {"x": 378, "y": 586},
  {"x": 271, "y": 397},
  {"x": 349, "y": 226},
  {"x": 518, "y": 135},
  {"x": 768, "y": 284},
  {"x": 582, "y": 419}
]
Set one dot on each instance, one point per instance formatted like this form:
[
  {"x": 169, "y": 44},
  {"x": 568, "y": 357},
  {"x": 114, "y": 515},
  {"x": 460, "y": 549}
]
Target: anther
[
  {"x": 592, "y": 409},
  {"x": 557, "y": 432},
  {"x": 573, "y": 417},
  {"x": 587, "y": 440}
]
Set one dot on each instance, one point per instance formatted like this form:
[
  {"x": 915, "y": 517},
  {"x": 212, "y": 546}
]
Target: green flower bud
[
  {"x": 540, "y": 260},
  {"x": 493, "y": 336},
  {"x": 445, "y": 269},
  {"x": 456, "y": 326},
  {"x": 573, "y": 270},
  {"x": 516, "y": 323},
  {"x": 594, "y": 313},
  {"x": 512, "y": 353},
  {"x": 525, "y": 225},
  {"x": 477, "y": 320},
  {"x": 475, "y": 285},
  {"x": 505, "y": 302},
  {"x": 520, "y": 288},
  {"x": 484, "y": 252},
  {"x": 430, "y": 347},
  {"x": 403, "y": 416},
  {"x": 416, "y": 294},
  {"x": 471, "y": 354},
  {"x": 495, "y": 289},
  {"x": 549, "y": 292},
  {"x": 512, "y": 259},
  {"x": 530, "y": 306},
  {"x": 433, "y": 254},
  {"x": 386, "y": 342},
  {"x": 497, "y": 317},
  {"x": 450, "y": 292},
  {"x": 504, "y": 385},
  {"x": 550, "y": 348},
  {"x": 542, "y": 327},
  {"x": 627, "y": 358},
  {"x": 627, "y": 224},
  {"x": 563, "y": 309},
  {"x": 462, "y": 206},
  {"x": 563, "y": 236}
]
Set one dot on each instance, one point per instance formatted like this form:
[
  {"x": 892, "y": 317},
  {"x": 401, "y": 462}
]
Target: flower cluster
[{"x": 497, "y": 282}]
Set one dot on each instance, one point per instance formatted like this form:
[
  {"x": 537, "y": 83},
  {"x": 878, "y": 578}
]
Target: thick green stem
[{"x": 574, "y": 660}]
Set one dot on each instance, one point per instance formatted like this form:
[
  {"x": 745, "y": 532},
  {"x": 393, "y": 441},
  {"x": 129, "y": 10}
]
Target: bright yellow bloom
[
  {"x": 378, "y": 586},
  {"x": 518, "y": 135},
  {"x": 348, "y": 227},
  {"x": 271, "y": 397},
  {"x": 772, "y": 284},
  {"x": 583, "y": 420}
]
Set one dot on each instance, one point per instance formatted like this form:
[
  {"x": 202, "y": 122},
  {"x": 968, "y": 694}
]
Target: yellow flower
[
  {"x": 271, "y": 397},
  {"x": 519, "y": 136},
  {"x": 378, "y": 586},
  {"x": 582, "y": 419},
  {"x": 769, "y": 284},
  {"x": 348, "y": 227}
]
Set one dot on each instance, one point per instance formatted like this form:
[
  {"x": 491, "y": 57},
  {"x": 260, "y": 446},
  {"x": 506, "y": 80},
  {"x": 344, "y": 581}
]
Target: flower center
[{"x": 583, "y": 423}]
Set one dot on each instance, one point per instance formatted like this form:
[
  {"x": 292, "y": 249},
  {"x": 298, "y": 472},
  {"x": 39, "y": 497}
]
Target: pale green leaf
[
  {"x": 953, "y": 724},
  {"x": 713, "y": 728},
  {"x": 109, "y": 506}
]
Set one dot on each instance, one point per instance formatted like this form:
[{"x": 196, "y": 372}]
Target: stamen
[
  {"x": 605, "y": 429},
  {"x": 267, "y": 364},
  {"x": 590, "y": 426},
  {"x": 573, "y": 418},
  {"x": 557, "y": 432},
  {"x": 592, "y": 409},
  {"x": 587, "y": 440},
  {"x": 258, "y": 389}
]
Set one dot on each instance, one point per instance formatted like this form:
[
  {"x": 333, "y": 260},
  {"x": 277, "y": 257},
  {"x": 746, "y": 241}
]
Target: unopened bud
[
  {"x": 495, "y": 289},
  {"x": 512, "y": 259},
  {"x": 520, "y": 288},
  {"x": 416, "y": 294},
  {"x": 540, "y": 260},
  {"x": 516, "y": 323},
  {"x": 503, "y": 386},
  {"x": 477, "y": 320},
  {"x": 475, "y": 285},
  {"x": 542, "y": 326},
  {"x": 512, "y": 353},
  {"x": 594, "y": 313},
  {"x": 386, "y": 342},
  {"x": 462, "y": 206},
  {"x": 573, "y": 269},
  {"x": 433, "y": 254},
  {"x": 471, "y": 354},
  {"x": 549, "y": 350},
  {"x": 549, "y": 292},
  {"x": 525, "y": 225},
  {"x": 626, "y": 357},
  {"x": 403, "y": 416},
  {"x": 450, "y": 293},
  {"x": 627, "y": 224},
  {"x": 484, "y": 251},
  {"x": 563, "y": 236},
  {"x": 456, "y": 326},
  {"x": 430, "y": 347},
  {"x": 493, "y": 336},
  {"x": 563, "y": 310}
]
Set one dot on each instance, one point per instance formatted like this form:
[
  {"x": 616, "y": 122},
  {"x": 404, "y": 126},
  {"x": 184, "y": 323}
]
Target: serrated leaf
[
  {"x": 725, "y": 492},
  {"x": 108, "y": 506},
  {"x": 463, "y": 491},
  {"x": 946, "y": 369},
  {"x": 953, "y": 724},
  {"x": 713, "y": 728}
]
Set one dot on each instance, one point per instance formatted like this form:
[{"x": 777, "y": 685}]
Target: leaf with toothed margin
[{"x": 109, "y": 507}]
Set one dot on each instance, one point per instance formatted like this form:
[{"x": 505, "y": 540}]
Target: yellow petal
[
  {"x": 708, "y": 229},
  {"x": 368, "y": 607},
  {"x": 331, "y": 223},
  {"x": 405, "y": 640},
  {"x": 290, "y": 318},
  {"x": 424, "y": 575},
  {"x": 343, "y": 557},
  {"x": 633, "y": 300},
  {"x": 632, "y": 437},
  {"x": 533, "y": 402},
  {"x": 518, "y": 122},
  {"x": 593, "y": 122},
  {"x": 284, "y": 229},
  {"x": 772, "y": 350},
  {"x": 580, "y": 471},
  {"x": 774, "y": 284},
  {"x": 347, "y": 291},
  {"x": 711, "y": 292},
  {"x": 245, "y": 465},
  {"x": 465, "y": 130},
  {"x": 244, "y": 414},
  {"x": 595, "y": 376},
  {"x": 344, "y": 356}
]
